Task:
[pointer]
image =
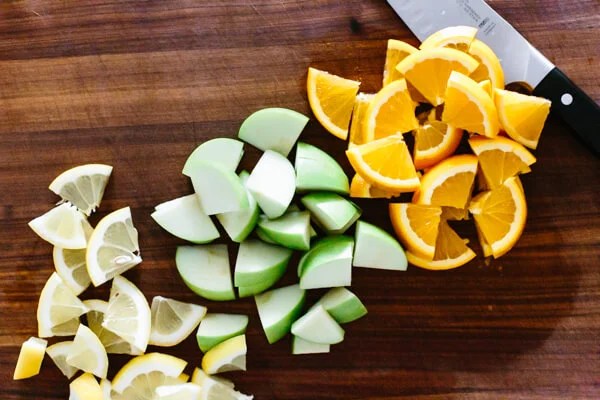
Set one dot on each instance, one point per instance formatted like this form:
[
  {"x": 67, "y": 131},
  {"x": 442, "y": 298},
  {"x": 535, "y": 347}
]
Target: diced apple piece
[
  {"x": 252, "y": 290},
  {"x": 205, "y": 270},
  {"x": 318, "y": 326},
  {"x": 183, "y": 217},
  {"x": 318, "y": 171},
  {"x": 218, "y": 327},
  {"x": 274, "y": 129},
  {"x": 225, "y": 152},
  {"x": 343, "y": 305},
  {"x": 375, "y": 248},
  {"x": 262, "y": 235},
  {"x": 218, "y": 189},
  {"x": 301, "y": 346},
  {"x": 278, "y": 309},
  {"x": 272, "y": 183},
  {"x": 291, "y": 230},
  {"x": 327, "y": 264},
  {"x": 239, "y": 224},
  {"x": 333, "y": 213},
  {"x": 259, "y": 262}
]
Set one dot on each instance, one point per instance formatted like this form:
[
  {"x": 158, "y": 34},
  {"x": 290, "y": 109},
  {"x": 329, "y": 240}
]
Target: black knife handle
[{"x": 575, "y": 107}]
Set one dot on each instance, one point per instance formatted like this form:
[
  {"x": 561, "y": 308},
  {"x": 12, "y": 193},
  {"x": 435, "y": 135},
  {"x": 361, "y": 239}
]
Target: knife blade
[{"x": 521, "y": 61}]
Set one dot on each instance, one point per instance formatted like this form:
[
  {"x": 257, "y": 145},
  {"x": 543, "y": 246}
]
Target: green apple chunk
[
  {"x": 218, "y": 189},
  {"x": 205, "y": 270},
  {"x": 327, "y": 264},
  {"x": 301, "y": 346},
  {"x": 272, "y": 183},
  {"x": 262, "y": 235},
  {"x": 183, "y": 217},
  {"x": 278, "y": 309},
  {"x": 274, "y": 129},
  {"x": 259, "y": 262},
  {"x": 343, "y": 305},
  {"x": 331, "y": 212},
  {"x": 225, "y": 152},
  {"x": 291, "y": 230},
  {"x": 317, "y": 170},
  {"x": 253, "y": 290},
  {"x": 218, "y": 327},
  {"x": 239, "y": 224},
  {"x": 375, "y": 248},
  {"x": 318, "y": 326}
]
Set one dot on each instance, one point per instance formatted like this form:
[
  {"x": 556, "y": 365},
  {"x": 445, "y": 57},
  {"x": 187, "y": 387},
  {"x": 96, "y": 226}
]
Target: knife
[{"x": 520, "y": 60}]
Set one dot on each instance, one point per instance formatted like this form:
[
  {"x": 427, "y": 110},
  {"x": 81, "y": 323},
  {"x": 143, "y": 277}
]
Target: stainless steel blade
[{"x": 520, "y": 60}]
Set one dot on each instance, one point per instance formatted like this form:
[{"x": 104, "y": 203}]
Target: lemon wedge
[
  {"x": 229, "y": 355},
  {"x": 58, "y": 352},
  {"x": 63, "y": 226},
  {"x": 173, "y": 321},
  {"x": 87, "y": 353},
  {"x": 30, "y": 358}
]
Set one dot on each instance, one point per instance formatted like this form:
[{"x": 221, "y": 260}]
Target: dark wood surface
[{"x": 139, "y": 84}]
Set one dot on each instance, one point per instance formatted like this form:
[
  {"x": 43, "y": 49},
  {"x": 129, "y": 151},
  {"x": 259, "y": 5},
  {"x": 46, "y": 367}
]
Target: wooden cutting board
[{"x": 139, "y": 84}]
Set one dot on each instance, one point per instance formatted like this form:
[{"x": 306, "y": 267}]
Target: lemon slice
[
  {"x": 229, "y": 355},
  {"x": 183, "y": 391},
  {"x": 85, "y": 387},
  {"x": 58, "y": 352},
  {"x": 113, "y": 247},
  {"x": 57, "y": 305},
  {"x": 173, "y": 321},
  {"x": 70, "y": 266},
  {"x": 128, "y": 313},
  {"x": 139, "y": 378},
  {"x": 87, "y": 353},
  {"x": 63, "y": 226},
  {"x": 216, "y": 388},
  {"x": 83, "y": 186},
  {"x": 30, "y": 358},
  {"x": 112, "y": 342}
]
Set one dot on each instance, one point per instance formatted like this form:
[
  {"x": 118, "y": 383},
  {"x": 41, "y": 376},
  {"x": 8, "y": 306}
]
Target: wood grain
[{"x": 139, "y": 84}]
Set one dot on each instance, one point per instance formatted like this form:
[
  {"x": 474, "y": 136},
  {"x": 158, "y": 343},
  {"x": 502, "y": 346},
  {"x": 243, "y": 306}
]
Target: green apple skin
[
  {"x": 278, "y": 309},
  {"x": 218, "y": 327},
  {"x": 301, "y": 346},
  {"x": 259, "y": 262},
  {"x": 205, "y": 270},
  {"x": 318, "y": 326},
  {"x": 183, "y": 217},
  {"x": 318, "y": 171},
  {"x": 225, "y": 152},
  {"x": 219, "y": 190},
  {"x": 375, "y": 248},
  {"x": 253, "y": 290},
  {"x": 327, "y": 264},
  {"x": 291, "y": 230},
  {"x": 274, "y": 129},
  {"x": 343, "y": 305},
  {"x": 272, "y": 183},
  {"x": 240, "y": 224},
  {"x": 331, "y": 212}
]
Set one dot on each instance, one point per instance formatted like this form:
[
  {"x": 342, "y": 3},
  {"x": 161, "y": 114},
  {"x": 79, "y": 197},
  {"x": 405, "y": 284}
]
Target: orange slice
[
  {"x": 416, "y": 226},
  {"x": 450, "y": 251},
  {"x": 489, "y": 64},
  {"x": 434, "y": 141},
  {"x": 469, "y": 107},
  {"x": 397, "y": 51},
  {"x": 359, "y": 188},
  {"x": 390, "y": 111},
  {"x": 357, "y": 133},
  {"x": 386, "y": 164},
  {"x": 331, "y": 100},
  {"x": 500, "y": 215},
  {"x": 522, "y": 116},
  {"x": 428, "y": 70},
  {"x": 457, "y": 37},
  {"x": 500, "y": 158},
  {"x": 448, "y": 183}
]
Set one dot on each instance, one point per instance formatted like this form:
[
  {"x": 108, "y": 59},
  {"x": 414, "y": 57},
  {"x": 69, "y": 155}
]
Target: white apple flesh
[
  {"x": 291, "y": 230},
  {"x": 239, "y": 224},
  {"x": 318, "y": 326},
  {"x": 302, "y": 346},
  {"x": 333, "y": 213},
  {"x": 218, "y": 189},
  {"x": 218, "y": 327},
  {"x": 225, "y": 152}
]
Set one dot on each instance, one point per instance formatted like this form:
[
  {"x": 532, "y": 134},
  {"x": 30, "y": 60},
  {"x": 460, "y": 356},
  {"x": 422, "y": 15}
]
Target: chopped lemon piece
[
  {"x": 63, "y": 226},
  {"x": 416, "y": 226},
  {"x": 30, "y": 358},
  {"x": 85, "y": 387},
  {"x": 229, "y": 355},
  {"x": 58, "y": 353},
  {"x": 87, "y": 353},
  {"x": 112, "y": 342},
  {"x": 173, "y": 321},
  {"x": 70, "y": 266}
]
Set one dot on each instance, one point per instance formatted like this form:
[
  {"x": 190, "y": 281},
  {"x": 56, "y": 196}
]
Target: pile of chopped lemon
[{"x": 449, "y": 89}]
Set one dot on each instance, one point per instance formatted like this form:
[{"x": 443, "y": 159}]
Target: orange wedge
[
  {"x": 522, "y": 116},
  {"x": 457, "y": 37},
  {"x": 469, "y": 107},
  {"x": 455, "y": 214},
  {"x": 428, "y": 70},
  {"x": 386, "y": 164},
  {"x": 397, "y": 51},
  {"x": 390, "y": 111},
  {"x": 500, "y": 215},
  {"x": 486, "y": 85},
  {"x": 331, "y": 100},
  {"x": 434, "y": 141},
  {"x": 448, "y": 183},
  {"x": 359, "y": 188},
  {"x": 357, "y": 135},
  {"x": 416, "y": 226},
  {"x": 500, "y": 158},
  {"x": 450, "y": 251},
  {"x": 489, "y": 64}
]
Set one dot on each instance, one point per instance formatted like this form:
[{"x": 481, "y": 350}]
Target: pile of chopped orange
[{"x": 449, "y": 89}]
